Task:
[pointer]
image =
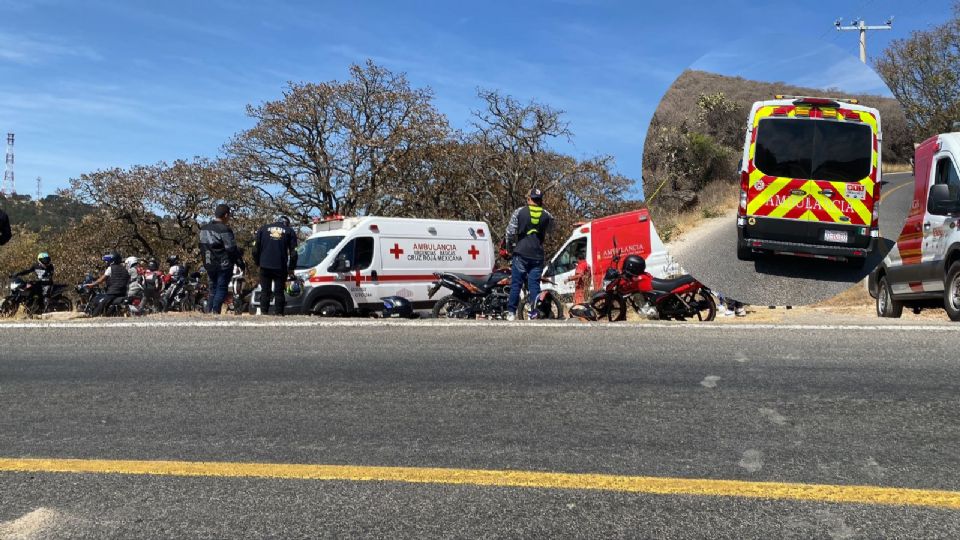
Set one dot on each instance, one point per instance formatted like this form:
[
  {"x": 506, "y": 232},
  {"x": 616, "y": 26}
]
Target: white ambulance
[
  {"x": 349, "y": 264},
  {"x": 629, "y": 233}
]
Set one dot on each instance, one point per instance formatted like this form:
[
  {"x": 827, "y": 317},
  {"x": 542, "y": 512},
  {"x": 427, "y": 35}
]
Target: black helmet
[
  {"x": 634, "y": 265},
  {"x": 583, "y": 312},
  {"x": 112, "y": 257},
  {"x": 153, "y": 265},
  {"x": 283, "y": 219},
  {"x": 43, "y": 258},
  {"x": 173, "y": 260},
  {"x": 397, "y": 306}
]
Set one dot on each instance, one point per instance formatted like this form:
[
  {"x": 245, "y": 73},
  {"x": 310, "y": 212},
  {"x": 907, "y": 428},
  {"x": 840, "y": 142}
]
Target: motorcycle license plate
[
  {"x": 839, "y": 237},
  {"x": 433, "y": 290}
]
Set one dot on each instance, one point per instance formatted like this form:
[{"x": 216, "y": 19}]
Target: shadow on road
[{"x": 801, "y": 267}]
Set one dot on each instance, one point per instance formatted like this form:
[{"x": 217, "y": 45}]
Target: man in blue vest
[{"x": 526, "y": 232}]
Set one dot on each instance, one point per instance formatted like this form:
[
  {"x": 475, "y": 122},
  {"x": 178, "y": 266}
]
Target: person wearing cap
[
  {"x": 526, "y": 232},
  {"x": 219, "y": 252},
  {"x": 275, "y": 252},
  {"x": 5, "y": 234}
]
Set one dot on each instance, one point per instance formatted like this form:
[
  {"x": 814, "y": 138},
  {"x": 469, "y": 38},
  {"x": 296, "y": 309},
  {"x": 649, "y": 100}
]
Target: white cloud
[{"x": 23, "y": 49}]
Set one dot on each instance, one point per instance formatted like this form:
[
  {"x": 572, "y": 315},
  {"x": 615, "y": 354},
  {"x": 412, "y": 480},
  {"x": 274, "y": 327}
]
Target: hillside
[
  {"x": 696, "y": 135},
  {"x": 54, "y": 212}
]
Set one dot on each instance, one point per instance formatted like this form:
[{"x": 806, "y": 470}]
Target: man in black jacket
[
  {"x": 527, "y": 231},
  {"x": 276, "y": 255},
  {"x": 117, "y": 278},
  {"x": 5, "y": 234},
  {"x": 219, "y": 252}
]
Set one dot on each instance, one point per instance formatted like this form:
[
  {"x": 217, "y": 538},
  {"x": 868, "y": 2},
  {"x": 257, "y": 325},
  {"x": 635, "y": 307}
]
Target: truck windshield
[
  {"x": 312, "y": 252},
  {"x": 814, "y": 149}
]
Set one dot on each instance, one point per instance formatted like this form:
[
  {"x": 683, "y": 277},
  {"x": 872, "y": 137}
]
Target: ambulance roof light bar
[{"x": 834, "y": 102}]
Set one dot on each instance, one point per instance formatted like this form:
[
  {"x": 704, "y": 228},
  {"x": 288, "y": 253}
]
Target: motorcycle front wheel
[
  {"x": 59, "y": 303},
  {"x": 554, "y": 309},
  {"x": 8, "y": 308},
  {"x": 451, "y": 307},
  {"x": 704, "y": 306}
]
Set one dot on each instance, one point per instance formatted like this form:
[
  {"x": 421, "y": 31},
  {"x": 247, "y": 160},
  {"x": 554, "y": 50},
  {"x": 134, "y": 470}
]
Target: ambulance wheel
[
  {"x": 951, "y": 293},
  {"x": 327, "y": 307},
  {"x": 451, "y": 307},
  {"x": 744, "y": 253},
  {"x": 887, "y": 307}
]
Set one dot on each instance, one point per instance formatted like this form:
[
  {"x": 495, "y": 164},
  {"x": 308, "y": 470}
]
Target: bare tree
[
  {"x": 337, "y": 147},
  {"x": 923, "y": 72}
]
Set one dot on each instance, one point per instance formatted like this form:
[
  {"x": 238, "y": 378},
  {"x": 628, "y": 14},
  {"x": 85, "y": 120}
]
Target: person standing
[
  {"x": 5, "y": 234},
  {"x": 526, "y": 232},
  {"x": 218, "y": 251},
  {"x": 275, "y": 253}
]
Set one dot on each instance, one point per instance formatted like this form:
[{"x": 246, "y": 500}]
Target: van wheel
[
  {"x": 327, "y": 307},
  {"x": 451, "y": 307},
  {"x": 951, "y": 293},
  {"x": 886, "y": 306},
  {"x": 744, "y": 253}
]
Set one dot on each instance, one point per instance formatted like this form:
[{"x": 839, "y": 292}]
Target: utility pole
[
  {"x": 861, "y": 26},
  {"x": 39, "y": 192},
  {"x": 9, "y": 185}
]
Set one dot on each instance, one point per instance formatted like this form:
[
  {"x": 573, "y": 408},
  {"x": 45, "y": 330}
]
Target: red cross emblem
[
  {"x": 396, "y": 251},
  {"x": 473, "y": 252},
  {"x": 358, "y": 278}
]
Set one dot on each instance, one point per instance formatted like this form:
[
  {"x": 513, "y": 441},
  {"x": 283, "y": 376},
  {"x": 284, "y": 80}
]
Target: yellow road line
[
  {"x": 518, "y": 479},
  {"x": 888, "y": 193}
]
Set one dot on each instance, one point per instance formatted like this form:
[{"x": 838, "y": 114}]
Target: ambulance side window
[
  {"x": 947, "y": 173},
  {"x": 359, "y": 252},
  {"x": 568, "y": 258}
]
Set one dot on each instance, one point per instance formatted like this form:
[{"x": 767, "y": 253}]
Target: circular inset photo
[{"x": 777, "y": 170}]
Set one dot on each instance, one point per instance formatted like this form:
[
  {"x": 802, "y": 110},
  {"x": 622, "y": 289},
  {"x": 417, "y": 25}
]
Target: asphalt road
[
  {"x": 711, "y": 257},
  {"x": 832, "y": 405}
]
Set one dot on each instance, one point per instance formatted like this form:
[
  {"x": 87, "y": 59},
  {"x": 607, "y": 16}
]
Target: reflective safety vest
[{"x": 532, "y": 229}]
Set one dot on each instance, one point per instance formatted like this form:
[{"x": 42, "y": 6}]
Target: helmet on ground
[
  {"x": 43, "y": 257},
  {"x": 173, "y": 260},
  {"x": 294, "y": 287},
  {"x": 397, "y": 306},
  {"x": 130, "y": 262},
  {"x": 634, "y": 265},
  {"x": 583, "y": 312},
  {"x": 111, "y": 257}
]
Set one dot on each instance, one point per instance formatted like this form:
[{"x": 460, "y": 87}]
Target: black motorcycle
[
  {"x": 486, "y": 297},
  {"x": 22, "y": 293}
]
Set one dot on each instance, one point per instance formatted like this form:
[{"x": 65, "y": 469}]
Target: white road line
[{"x": 84, "y": 325}]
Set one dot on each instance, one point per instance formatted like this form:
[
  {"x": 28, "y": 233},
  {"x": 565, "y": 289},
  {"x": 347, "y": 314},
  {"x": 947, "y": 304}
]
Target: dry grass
[
  {"x": 716, "y": 200},
  {"x": 897, "y": 167}
]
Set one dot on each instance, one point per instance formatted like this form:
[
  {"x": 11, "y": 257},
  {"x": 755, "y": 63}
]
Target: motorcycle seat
[
  {"x": 479, "y": 282},
  {"x": 667, "y": 285}
]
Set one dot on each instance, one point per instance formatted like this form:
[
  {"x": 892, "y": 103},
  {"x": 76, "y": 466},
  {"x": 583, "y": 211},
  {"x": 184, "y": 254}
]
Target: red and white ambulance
[
  {"x": 923, "y": 268},
  {"x": 597, "y": 241},
  {"x": 349, "y": 264}
]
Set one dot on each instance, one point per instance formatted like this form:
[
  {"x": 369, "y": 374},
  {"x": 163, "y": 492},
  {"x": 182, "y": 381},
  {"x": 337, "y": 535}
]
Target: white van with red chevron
[
  {"x": 922, "y": 270},
  {"x": 349, "y": 264},
  {"x": 810, "y": 179}
]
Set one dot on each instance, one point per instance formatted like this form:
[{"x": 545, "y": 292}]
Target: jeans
[
  {"x": 219, "y": 279},
  {"x": 272, "y": 285},
  {"x": 524, "y": 268}
]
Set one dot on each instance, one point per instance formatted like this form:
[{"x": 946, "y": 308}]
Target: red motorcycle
[{"x": 631, "y": 286}]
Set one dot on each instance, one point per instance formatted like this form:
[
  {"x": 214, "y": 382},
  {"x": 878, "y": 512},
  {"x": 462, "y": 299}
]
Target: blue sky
[{"x": 96, "y": 84}]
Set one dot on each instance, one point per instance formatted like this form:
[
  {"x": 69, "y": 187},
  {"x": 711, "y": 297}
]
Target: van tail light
[{"x": 744, "y": 182}]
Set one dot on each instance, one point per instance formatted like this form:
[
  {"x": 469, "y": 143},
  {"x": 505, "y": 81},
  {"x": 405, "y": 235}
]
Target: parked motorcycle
[
  {"x": 664, "y": 299},
  {"x": 85, "y": 294},
  {"x": 487, "y": 297},
  {"x": 22, "y": 294}
]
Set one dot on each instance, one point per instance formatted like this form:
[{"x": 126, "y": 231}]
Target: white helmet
[{"x": 130, "y": 262}]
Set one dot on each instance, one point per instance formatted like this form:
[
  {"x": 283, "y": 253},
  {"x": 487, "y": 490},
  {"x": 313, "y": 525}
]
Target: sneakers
[
  {"x": 727, "y": 312},
  {"x": 741, "y": 311},
  {"x": 511, "y": 316},
  {"x": 533, "y": 314}
]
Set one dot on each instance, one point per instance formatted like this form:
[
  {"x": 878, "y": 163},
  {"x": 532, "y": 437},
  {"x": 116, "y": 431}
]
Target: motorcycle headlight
[{"x": 14, "y": 286}]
